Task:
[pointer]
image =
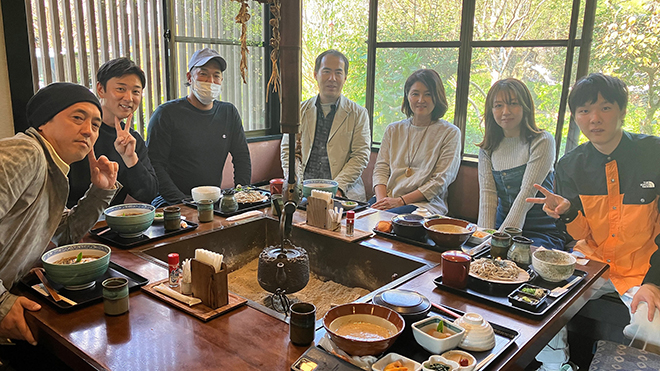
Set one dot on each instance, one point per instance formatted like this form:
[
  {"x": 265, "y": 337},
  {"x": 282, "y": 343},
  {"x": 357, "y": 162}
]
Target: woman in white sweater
[
  {"x": 419, "y": 157},
  {"x": 515, "y": 154}
]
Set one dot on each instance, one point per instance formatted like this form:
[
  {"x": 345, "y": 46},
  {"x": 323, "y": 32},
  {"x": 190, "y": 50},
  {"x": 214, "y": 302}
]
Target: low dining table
[{"x": 156, "y": 336}]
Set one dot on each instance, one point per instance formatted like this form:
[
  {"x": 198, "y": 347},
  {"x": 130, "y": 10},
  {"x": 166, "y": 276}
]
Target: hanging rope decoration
[{"x": 242, "y": 18}]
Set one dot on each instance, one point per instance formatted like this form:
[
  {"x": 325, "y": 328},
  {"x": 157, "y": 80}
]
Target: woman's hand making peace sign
[{"x": 125, "y": 142}]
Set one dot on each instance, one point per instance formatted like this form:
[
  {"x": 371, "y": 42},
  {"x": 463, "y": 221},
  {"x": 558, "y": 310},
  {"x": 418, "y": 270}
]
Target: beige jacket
[
  {"x": 33, "y": 193},
  {"x": 349, "y": 145}
]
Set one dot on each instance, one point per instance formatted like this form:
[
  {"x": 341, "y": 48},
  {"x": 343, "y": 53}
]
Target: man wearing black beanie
[{"x": 64, "y": 121}]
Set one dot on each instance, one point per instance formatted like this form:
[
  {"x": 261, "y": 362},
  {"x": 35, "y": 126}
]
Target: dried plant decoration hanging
[{"x": 242, "y": 18}]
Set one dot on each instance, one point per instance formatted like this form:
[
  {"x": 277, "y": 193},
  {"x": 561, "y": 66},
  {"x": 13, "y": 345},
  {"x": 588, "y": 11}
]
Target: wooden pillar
[{"x": 290, "y": 66}]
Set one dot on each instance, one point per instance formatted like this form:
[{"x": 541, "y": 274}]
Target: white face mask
[{"x": 205, "y": 92}]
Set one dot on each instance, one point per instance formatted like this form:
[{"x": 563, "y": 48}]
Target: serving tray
[
  {"x": 431, "y": 245},
  {"x": 337, "y": 203},
  {"x": 241, "y": 207},
  {"x": 155, "y": 232},
  {"x": 406, "y": 345},
  {"x": 497, "y": 294},
  {"x": 86, "y": 296}
]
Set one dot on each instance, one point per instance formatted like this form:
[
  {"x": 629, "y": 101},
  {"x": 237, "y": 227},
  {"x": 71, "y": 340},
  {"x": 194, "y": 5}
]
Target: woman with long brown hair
[
  {"x": 515, "y": 154},
  {"x": 420, "y": 156}
]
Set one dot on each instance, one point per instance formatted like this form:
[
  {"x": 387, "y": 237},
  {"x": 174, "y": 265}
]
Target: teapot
[{"x": 283, "y": 267}]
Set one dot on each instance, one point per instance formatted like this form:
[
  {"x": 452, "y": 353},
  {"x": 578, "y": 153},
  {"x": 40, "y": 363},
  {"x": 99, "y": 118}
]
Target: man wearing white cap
[{"x": 189, "y": 138}]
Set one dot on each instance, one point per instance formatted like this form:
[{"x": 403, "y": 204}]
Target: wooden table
[{"x": 154, "y": 335}]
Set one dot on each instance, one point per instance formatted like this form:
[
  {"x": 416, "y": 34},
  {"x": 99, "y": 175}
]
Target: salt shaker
[
  {"x": 350, "y": 223},
  {"x": 174, "y": 270}
]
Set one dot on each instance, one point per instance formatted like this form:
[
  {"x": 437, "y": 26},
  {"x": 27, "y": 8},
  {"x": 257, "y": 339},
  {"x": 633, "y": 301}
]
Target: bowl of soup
[
  {"x": 327, "y": 185},
  {"x": 130, "y": 220},
  {"x": 206, "y": 193},
  {"x": 76, "y": 266},
  {"x": 363, "y": 329},
  {"x": 448, "y": 232}
]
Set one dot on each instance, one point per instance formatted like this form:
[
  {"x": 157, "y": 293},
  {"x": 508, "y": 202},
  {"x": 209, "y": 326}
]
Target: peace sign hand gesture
[
  {"x": 125, "y": 142},
  {"x": 553, "y": 204},
  {"x": 103, "y": 171}
]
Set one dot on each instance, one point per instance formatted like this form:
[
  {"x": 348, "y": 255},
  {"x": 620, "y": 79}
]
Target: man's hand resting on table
[{"x": 13, "y": 326}]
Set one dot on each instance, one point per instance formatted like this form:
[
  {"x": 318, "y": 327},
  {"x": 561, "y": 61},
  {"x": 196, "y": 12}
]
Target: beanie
[{"x": 55, "y": 98}]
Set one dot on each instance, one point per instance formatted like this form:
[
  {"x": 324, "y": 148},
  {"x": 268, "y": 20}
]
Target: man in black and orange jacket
[{"x": 607, "y": 193}]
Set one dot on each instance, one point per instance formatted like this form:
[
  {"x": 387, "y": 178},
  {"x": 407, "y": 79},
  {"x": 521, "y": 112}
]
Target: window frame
[{"x": 465, "y": 46}]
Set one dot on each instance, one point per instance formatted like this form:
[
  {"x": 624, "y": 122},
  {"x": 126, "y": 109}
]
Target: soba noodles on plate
[
  {"x": 363, "y": 331},
  {"x": 495, "y": 269},
  {"x": 449, "y": 228},
  {"x": 248, "y": 197},
  {"x": 72, "y": 260}
]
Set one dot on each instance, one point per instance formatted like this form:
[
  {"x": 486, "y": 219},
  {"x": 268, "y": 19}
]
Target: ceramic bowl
[
  {"x": 434, "y": 344},
  {"x": 458, "y": 355},
  {"x": 409, "y": 226},
  {"x": 453, "y": 366},
  {"x": 553, "y": 265},
  {"x": 80, "y": 275},
  {"x": 130, "y": 220},
  {"x": 320, "y": 184},
  {"x": 479, "y": 335},
  {"x": 363, "y": 312},
  {"x": 449, "y": 240},
  {"x": 206, "y": 193},
  {"x": 393, "y": 357}
]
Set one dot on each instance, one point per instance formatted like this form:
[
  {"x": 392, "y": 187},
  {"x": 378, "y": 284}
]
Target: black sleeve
[
  {"x": 140, "y": 180},
  {"x": 240, "y": 152},
  {"x": 653, "y": 275},
  {"x": 159, "y": 143},
  {"x": 565, "y": 187}
]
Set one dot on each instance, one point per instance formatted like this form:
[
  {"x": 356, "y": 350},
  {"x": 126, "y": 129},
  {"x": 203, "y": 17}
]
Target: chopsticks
[
  {"x": 445, "y": 310},
  {"x": 484, "y": 361},
  {"x": 49, "y": 289}
]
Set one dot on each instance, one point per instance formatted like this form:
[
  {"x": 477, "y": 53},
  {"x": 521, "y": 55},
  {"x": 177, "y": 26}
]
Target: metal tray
[
  {"x": 431, "y": 245},
  {"x": 406, "y": 345},
  {"x": 498, "y": 295},
  {"x": 155, "y": 232},
  {"x": 360, "y": 204},
  {"x": 86, "y": 296},
  {"x": 241, "y": 207}
]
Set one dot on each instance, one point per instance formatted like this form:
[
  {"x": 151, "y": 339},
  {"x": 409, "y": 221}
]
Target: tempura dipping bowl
[
  {"x": 553, "y": 265},
  {"x": 80, "y": 275},
  {"x": 434, "y": 344},
  {"x": 326, "y": 185},
  {"x": 130, "y": 220},
  {"x": 447, "y": 239},
  {"x": 368, "y": 313}
]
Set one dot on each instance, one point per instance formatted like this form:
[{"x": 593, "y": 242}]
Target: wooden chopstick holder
[
  {"x": 210, "y": 287},
  {"x": 317, "y": 212}
]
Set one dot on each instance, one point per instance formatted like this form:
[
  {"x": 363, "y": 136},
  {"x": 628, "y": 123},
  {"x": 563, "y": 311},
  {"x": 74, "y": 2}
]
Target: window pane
[
  {"x": 393, "y": 66},
  {"x": 541, "y": 69},
  {"x": 522, "y": 19},
  {"x": 419, "y": 20},
  {"x": 248, "y": 98},
  {"x": 340, "y": 25},
  {"x": 215, "y": 19},
  {"x": 626, "y": 44}
]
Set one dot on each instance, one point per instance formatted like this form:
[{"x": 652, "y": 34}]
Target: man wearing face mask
[{"x": 189, "y": 138}]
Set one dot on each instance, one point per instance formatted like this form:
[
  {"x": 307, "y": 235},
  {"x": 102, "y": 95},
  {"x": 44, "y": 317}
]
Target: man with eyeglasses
[
  {"x": 189, "y": 138},
  {"x": 334, "y": 141}
]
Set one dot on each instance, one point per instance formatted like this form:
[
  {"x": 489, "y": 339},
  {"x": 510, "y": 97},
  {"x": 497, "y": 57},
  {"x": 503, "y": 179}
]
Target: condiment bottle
[
  {"x": 174, "y": 270},
  {"x": 350, "y": 223}
]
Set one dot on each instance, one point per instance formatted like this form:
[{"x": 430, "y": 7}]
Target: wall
[{"x": 7, "y": 125}]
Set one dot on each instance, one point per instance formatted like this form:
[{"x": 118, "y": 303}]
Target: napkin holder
[
  {"x": 210, "y": 287},
  {"x": 317, "y": 212}
]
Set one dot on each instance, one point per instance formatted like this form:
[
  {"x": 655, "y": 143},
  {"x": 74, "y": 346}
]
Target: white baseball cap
[{"x": 203, "y": 56}]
